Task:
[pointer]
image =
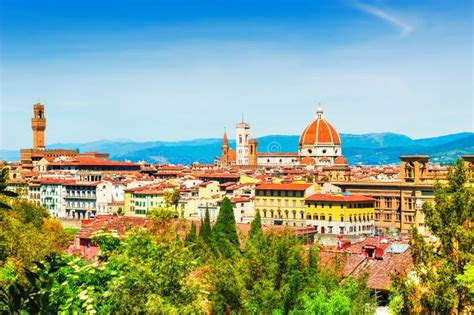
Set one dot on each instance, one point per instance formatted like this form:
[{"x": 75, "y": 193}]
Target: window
[
  {"x": 342, "y": 218},
  {"x": 308, "y": 216},
  {"x": 315, "y": 216}
]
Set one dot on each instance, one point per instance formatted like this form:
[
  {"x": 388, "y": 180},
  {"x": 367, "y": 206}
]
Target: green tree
[
  {"x": 256, "y": 226},
  {"x": 154, "y": 276},
  {"x": 172, "y": 198},
  {"x": 108, "y": 243},
  {"x": 205, "y": 228},
  {"x": 28, "y": 234},
  {"x": 224, "y": 232},
  {"x": 4, "y": 193},
  {"x": 191, "y": 237},
  {"x": 434, "y": 286}
]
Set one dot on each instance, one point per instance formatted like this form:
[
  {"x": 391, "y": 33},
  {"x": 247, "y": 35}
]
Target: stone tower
[
  {"x": 38, "y": 124},
  {"x": 243, "y": 137},
  {"x": 225, "y": 150},
  {"x": 414, "y": 168},
  {"x": 253, "y": 155}
]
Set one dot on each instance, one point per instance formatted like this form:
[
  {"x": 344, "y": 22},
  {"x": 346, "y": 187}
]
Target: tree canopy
[{"x": 440, "y": 282}]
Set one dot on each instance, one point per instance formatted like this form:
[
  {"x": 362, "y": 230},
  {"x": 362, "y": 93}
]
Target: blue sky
[{"x": 172, "y": 70}]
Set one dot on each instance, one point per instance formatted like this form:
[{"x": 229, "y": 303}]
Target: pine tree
[
  {"x": 436, "y": 288},
  {"x": 224, "y": 233},
  {"x": 191, "y": 237},
  {"x": 256, "y": 226},
  {"x": 205, "y": 229}
]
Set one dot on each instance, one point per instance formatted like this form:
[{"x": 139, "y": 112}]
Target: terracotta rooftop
[
  {"x": 339, "y": 198},
  {"x": 273, "y": 186}
]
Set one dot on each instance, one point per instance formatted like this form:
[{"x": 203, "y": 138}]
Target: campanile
[{"x": 38, "y": 124}]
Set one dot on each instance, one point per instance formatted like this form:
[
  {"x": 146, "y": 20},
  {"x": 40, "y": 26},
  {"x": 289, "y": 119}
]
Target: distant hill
[{"x": 372, "y": 148}]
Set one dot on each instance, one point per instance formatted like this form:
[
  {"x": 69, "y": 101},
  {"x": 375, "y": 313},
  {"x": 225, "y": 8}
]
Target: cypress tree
[
  {"x": 256, "y": 226},
  {"x": 191, "y": 237},
  {"x": 205, "y": 229},
  {"x": 224, "y": 233}
]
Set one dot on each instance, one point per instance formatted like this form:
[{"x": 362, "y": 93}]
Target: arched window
[
  {"x": 302, "y": 215},
  {"x": 308, "y": 216},
  {"x": 315, "y": 216}
]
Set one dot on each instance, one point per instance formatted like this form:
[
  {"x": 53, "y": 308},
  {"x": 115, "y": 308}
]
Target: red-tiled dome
[
  {"x": 319, "y": 131},
  {"x": 308, "y": 161},
  {"x": 340, "y": 161}
]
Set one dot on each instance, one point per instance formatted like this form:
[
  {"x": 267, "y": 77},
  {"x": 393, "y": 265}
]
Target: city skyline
[{"x": 169, "y": 72}]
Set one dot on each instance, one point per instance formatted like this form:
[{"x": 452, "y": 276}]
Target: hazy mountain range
[{"x": 373, "y": 148}]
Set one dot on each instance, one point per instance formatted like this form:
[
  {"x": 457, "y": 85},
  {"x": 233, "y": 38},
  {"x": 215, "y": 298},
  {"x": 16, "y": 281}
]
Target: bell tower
[
  {"x": 225, "y": 150},
  {"x": 38, "y": 124}
]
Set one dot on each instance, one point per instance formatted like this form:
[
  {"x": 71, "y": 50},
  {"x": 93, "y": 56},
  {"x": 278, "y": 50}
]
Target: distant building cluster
[
  {"x": 313, "y": 190},
  {"x": 319, "y": 145}
]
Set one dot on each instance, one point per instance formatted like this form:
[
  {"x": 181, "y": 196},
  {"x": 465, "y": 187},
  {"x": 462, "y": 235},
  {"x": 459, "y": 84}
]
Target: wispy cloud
[{"x": 404, "y": 27}]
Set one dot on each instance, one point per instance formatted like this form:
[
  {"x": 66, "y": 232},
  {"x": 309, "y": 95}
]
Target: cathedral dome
[
  {"x": 340, "y": 161},
  {"x": 319, "y": 131}
]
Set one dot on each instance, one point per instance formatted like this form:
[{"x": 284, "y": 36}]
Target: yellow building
[
  {"x": 398, "y": 204},
  {"x": 282, "y": 204},
  {"x": 341, "y": 213},
  {"x": 138, "y": 201},
  {"x": 209, "y": 190}
]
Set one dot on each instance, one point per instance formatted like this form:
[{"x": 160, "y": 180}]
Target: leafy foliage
[
  {"x": 28, "y": 234},
  {"x": 4, "y": 193},
  {"x": 172, "y": 198},
  {"x": 439, "y": 283},
  {"x": 276, "y": 275}
]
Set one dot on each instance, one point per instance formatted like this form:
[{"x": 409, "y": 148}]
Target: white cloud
[{"x": 404, "y": 27}]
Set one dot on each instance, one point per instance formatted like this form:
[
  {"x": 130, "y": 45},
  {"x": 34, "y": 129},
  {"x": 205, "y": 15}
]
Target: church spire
[{"x": 225, "y": 141}]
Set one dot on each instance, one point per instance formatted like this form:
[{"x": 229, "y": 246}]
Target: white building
[
  {"x": 282, "y": 159},
  {"x": 242, "y": 143},
  {"x": 52, "y": 194}
]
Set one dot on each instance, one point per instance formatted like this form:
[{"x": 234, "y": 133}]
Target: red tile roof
[
  {"x": 273, "y": 186},
  {"x": 339, "y": 198},
  {"x": 72, "y": 161}
]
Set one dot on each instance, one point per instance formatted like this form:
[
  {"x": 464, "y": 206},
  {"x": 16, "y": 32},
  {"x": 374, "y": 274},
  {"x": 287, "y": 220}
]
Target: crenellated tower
[{"x": 38, "y": 124}]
